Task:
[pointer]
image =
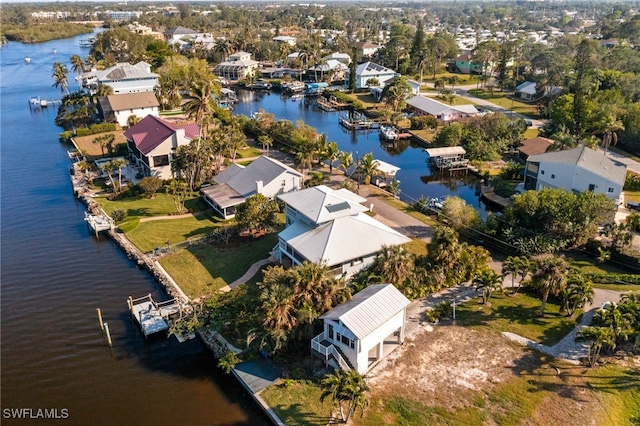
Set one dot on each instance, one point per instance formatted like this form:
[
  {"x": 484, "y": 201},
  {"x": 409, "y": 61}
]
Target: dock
[
  {"x": 37, "y": 102},
  {"x": 153, "y": 317},
  {"x": 448, "y": 158},
  {"x": 489, "y": 195},
  {"x": 331, "y": 104},
  {"x": 357, "y": 121},
  {"x": 99, "y": 222}
]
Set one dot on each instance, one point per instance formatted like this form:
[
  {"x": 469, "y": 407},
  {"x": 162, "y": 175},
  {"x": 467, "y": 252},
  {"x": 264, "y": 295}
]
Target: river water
[
  {"x": 54, "y": 275},
  {"x": 416, "y": 179}
]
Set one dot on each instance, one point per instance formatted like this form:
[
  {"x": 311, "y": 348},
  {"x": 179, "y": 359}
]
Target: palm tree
[
  {"x": 550, "y": 276},
  {"x": 598, "y": 337},
  {"x": 85, "y": 167},
  {"x": 77, "y": 64},
  {"x": 107, "y": 167},
  {"x": 577, "y": 293},
  {"x": 346, "y": 387},
  {"x": 104, "y": 90},
  {"x": 316, "y": 178},
  {"x": 487, "y": 281},
  {"x": 345, "y": 160},
  {"x": 516, "y": 266},
  {"x": 201, "y": 104},
  {"x": 266, "y": 142},
  {"x": 395, "y": 264},
  {"x": 368, "y": 167},
  {"x": 304, "y": 159},
  {"x": 620, "y": 323},
  {"x": 620, "y": 234},
  {"x": 278, "y": 307},
  {"x": 394, "y": 188},
  {"x": 60, "y": 77},
  {"x": 332, "y": 154},
  {"x": 118, "y": 163}
]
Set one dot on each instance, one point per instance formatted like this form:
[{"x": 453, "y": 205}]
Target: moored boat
[
  {"x": 388, "y": 133},
  {"x": 27, "y": 59}
]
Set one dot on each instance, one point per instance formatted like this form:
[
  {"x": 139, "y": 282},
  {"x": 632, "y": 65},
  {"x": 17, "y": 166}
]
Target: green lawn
[
  {"x": 501, "y": 99},
  {"x": 589, "y": 264},
  {"x": 203, "y": 269},
  {"x": 141, "y": 206},
  {"x": 249, "y": 152},
  {"x": 463, "y": 79},
  {"x": 298, "y": 403},
  {"x": 632, "y": 196},
  {"x": 531, "y": 133},
  {"x": 149, "y": 235},
  {"x": 517, "y": 314}
]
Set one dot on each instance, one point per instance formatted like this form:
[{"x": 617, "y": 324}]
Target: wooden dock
[
  {"x": 331, "y": 104},
  {"x": 153, "y": 317},
  {"x": 99, "y": 222}
]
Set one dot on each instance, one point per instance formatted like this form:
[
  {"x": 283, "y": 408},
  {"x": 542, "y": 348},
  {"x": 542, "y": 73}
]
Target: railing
[{"x": 330, "y": 350}]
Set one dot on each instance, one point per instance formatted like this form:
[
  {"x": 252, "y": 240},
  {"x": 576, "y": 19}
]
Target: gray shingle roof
[
  {"x": 243, "y": 180},
  {"x": 588, "y": 159},
  {"x": 369, "y": 309}
]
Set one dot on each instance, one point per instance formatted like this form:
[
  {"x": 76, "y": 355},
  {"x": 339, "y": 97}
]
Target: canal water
[
  {"x": 416, "y": 179},
  {"x": 54, "y": 275}
]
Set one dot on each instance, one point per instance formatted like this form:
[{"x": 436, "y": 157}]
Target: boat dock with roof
[{"x": 449, "y": 158}]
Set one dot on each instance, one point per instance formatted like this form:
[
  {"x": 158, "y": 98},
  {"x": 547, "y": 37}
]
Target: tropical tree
[
  {"x": 150, "y": 185},
  {"x": 578, "y": 291},
  {"x": 178, "y": 190},
  {"x": 332, "y": 154},
  {"x": 549, "y": 276},
  {"x": 266, "y": 142},
  {"x": 345, "y": 161},
  {"x": 395, "y": 264},
  {"x": 487, "y": 281},
  {"x": 132, "y": 120},
  {"x": 228, "y": 361},
  {"x": 60, "y": 78},
  {"x": 621, "y": 323},
  {"x": 119, "y": 163},
  {"x": 85, "y": 167},
  {"x": 516, "y": 266},
  {"x": 107, "y": 167},
  {"x": 201, "y": 105},
  {"x": 367, "y": 167},
  {"x": 620, "y": 235},
  {"x": 597, "y": 337},
  {"x": 346, "y": 387},
  {"x": 394, "y": 188},
  {"x": 77, "y": 64},
  {"x": 257, "y": 213},
  {"x": 104, "y": 90},
  {"x": 396, "y": 94},
  {"x": 316, "y": 178}
]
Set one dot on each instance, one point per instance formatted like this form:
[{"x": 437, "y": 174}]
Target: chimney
[{"x": 259, "y": 187}]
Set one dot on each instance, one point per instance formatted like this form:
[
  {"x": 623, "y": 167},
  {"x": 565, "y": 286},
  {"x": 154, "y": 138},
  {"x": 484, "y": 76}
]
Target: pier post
[
  {"x": 130, "y": 303},
  {"x": 100, "y": 319},
  {"x": 106, "y": 330}
]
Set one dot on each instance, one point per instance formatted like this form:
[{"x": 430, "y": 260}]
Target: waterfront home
[
  {"x": 533, "y": 146},
  {"x": 422, "y": 105},
  {"x": 371, "y": 70},
  {"x": 332, "y": 67},
  {"x": 235, "y": 184},
  {"x": 362, "y": 331},
  {"x": 376, "y": 92},
  {"x": 118, "y": 108},
  {"x": 126, "y": 78},
  {"x": 152, "y": 143},
  {"x": 330, "y": 227},
  {"x": 174, "y": 35},
  {"x": 578, "y": 169},
  {"x": 238, "y": 66}
]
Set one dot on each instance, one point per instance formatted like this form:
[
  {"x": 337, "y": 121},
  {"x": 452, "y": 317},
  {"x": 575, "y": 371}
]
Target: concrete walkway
[
  {"x": 253, "y": 269},
  {"x": 567, "y": 348}
]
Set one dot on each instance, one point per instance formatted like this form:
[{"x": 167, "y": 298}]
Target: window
[
  {"x": 592, "y": 187},
  {"x": 610, "y": 189},
  {"x": 541, "y": 172},
  {"x": 161, "y": 160},
  {"x": 553, "y": 176}
]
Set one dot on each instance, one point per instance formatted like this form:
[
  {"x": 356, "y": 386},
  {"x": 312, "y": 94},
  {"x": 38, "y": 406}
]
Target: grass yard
[
  {"x": 632, "y": 196},
  {"x": 400, "y": 205},
  {"x": 298, "y": 403},
  {"x": 518, "y": 314},
  {"x": 150, "y": 235},
  {"x": 531, "y": 133},
  {"x": 463, "y": 79},
  {"x": 249, "y": 152},
  {"x": 501, "y": 99},
  {"x": 203, "y": 269},
  {"x": 589, "y": 264},
  {"x": 141, "y": 206}
]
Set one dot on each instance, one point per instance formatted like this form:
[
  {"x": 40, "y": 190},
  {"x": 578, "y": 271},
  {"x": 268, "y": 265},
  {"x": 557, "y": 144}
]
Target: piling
[
  {"x": 106, "y": 331},
  {"x": 100, "y": 319}
]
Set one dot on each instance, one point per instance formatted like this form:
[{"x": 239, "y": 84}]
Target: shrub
[
  {"x": 632, "y": 182},
  {"x": 228, "y": 361},
  {"x": 424, "y": 122},
  {"x": 118, "y": 215}
]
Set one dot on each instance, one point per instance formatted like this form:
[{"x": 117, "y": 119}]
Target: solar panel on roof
[{"x": 338, "y": 207}]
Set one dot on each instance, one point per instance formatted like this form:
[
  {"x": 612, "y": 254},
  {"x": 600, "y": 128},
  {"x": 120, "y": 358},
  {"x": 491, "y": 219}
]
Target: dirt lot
[
  {"x": 454, "y": 368},
  {"x": 93, "y": 150}
]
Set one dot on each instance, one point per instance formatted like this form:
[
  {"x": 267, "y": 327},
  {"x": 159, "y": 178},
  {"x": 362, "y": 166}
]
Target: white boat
[
  {"x": 43, "y": 103},
  {"x": 27, "y": 60},
  {"x": 54, "y": 51},
  {"x": 34, "y": 101},
  {"x": 297, "y": 96},
  {"x": 388, "y": 133}
]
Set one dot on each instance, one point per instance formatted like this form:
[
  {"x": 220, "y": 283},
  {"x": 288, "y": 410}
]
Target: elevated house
[
  {"x": 127, "y": 78},
  {"x": 152, "y": 143},
  {"x": 362, "y": 331},
  {"x": 370, "y": 70},
  {"x": 422, "y": 105},
  {"x": 578, "y": 169},
  {"x": 118, "y": 108},
  {"x": 235, "y": 184},
  {"x": 330, "y": 227},
  {"x": 239, "y": 66}
]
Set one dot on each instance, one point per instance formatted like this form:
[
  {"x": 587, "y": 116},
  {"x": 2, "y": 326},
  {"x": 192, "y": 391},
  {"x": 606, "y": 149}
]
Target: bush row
[{"x": 86, "y": 131}]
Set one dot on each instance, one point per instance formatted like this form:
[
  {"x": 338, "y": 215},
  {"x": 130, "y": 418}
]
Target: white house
[
  {"x": 363, "y": 330},
  {"x": 236, "y": 183},
  {"x": 369, "y": 70},
  {"x": 367, "y": 50},
  {"x": 291, "y": 41},
  {"x": 238, "y": 67},
  {"x": 578, "y": 169},
  {"x": 119, "y": 108},
  {"x": 341, "y": 57},
  {"x": 422, "y": 105},
  {"x": 127, "y": 78},
  {"x": 330, "y": 227},
  {"x": 175, "y": 34},
  {"x": 152, "y": 142}
]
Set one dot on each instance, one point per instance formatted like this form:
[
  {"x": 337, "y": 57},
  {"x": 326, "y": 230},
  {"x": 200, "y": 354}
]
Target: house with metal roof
[
  {"x": 118, "y": 108},
  {"x": 235, "y": 184},
  {"x": 152, "y": 143},
  {"x": 126, "y": 78},
  {"x": 330, "y": 227},
  {"x": 237, "y": 67},
  {"x": 360, "y": 332},
  {"x": 422, "y": 105},
  {"x": 578, "y": 169},
  {"x": 175, "y": 34},
  {"x": 370, "y": 70}
]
